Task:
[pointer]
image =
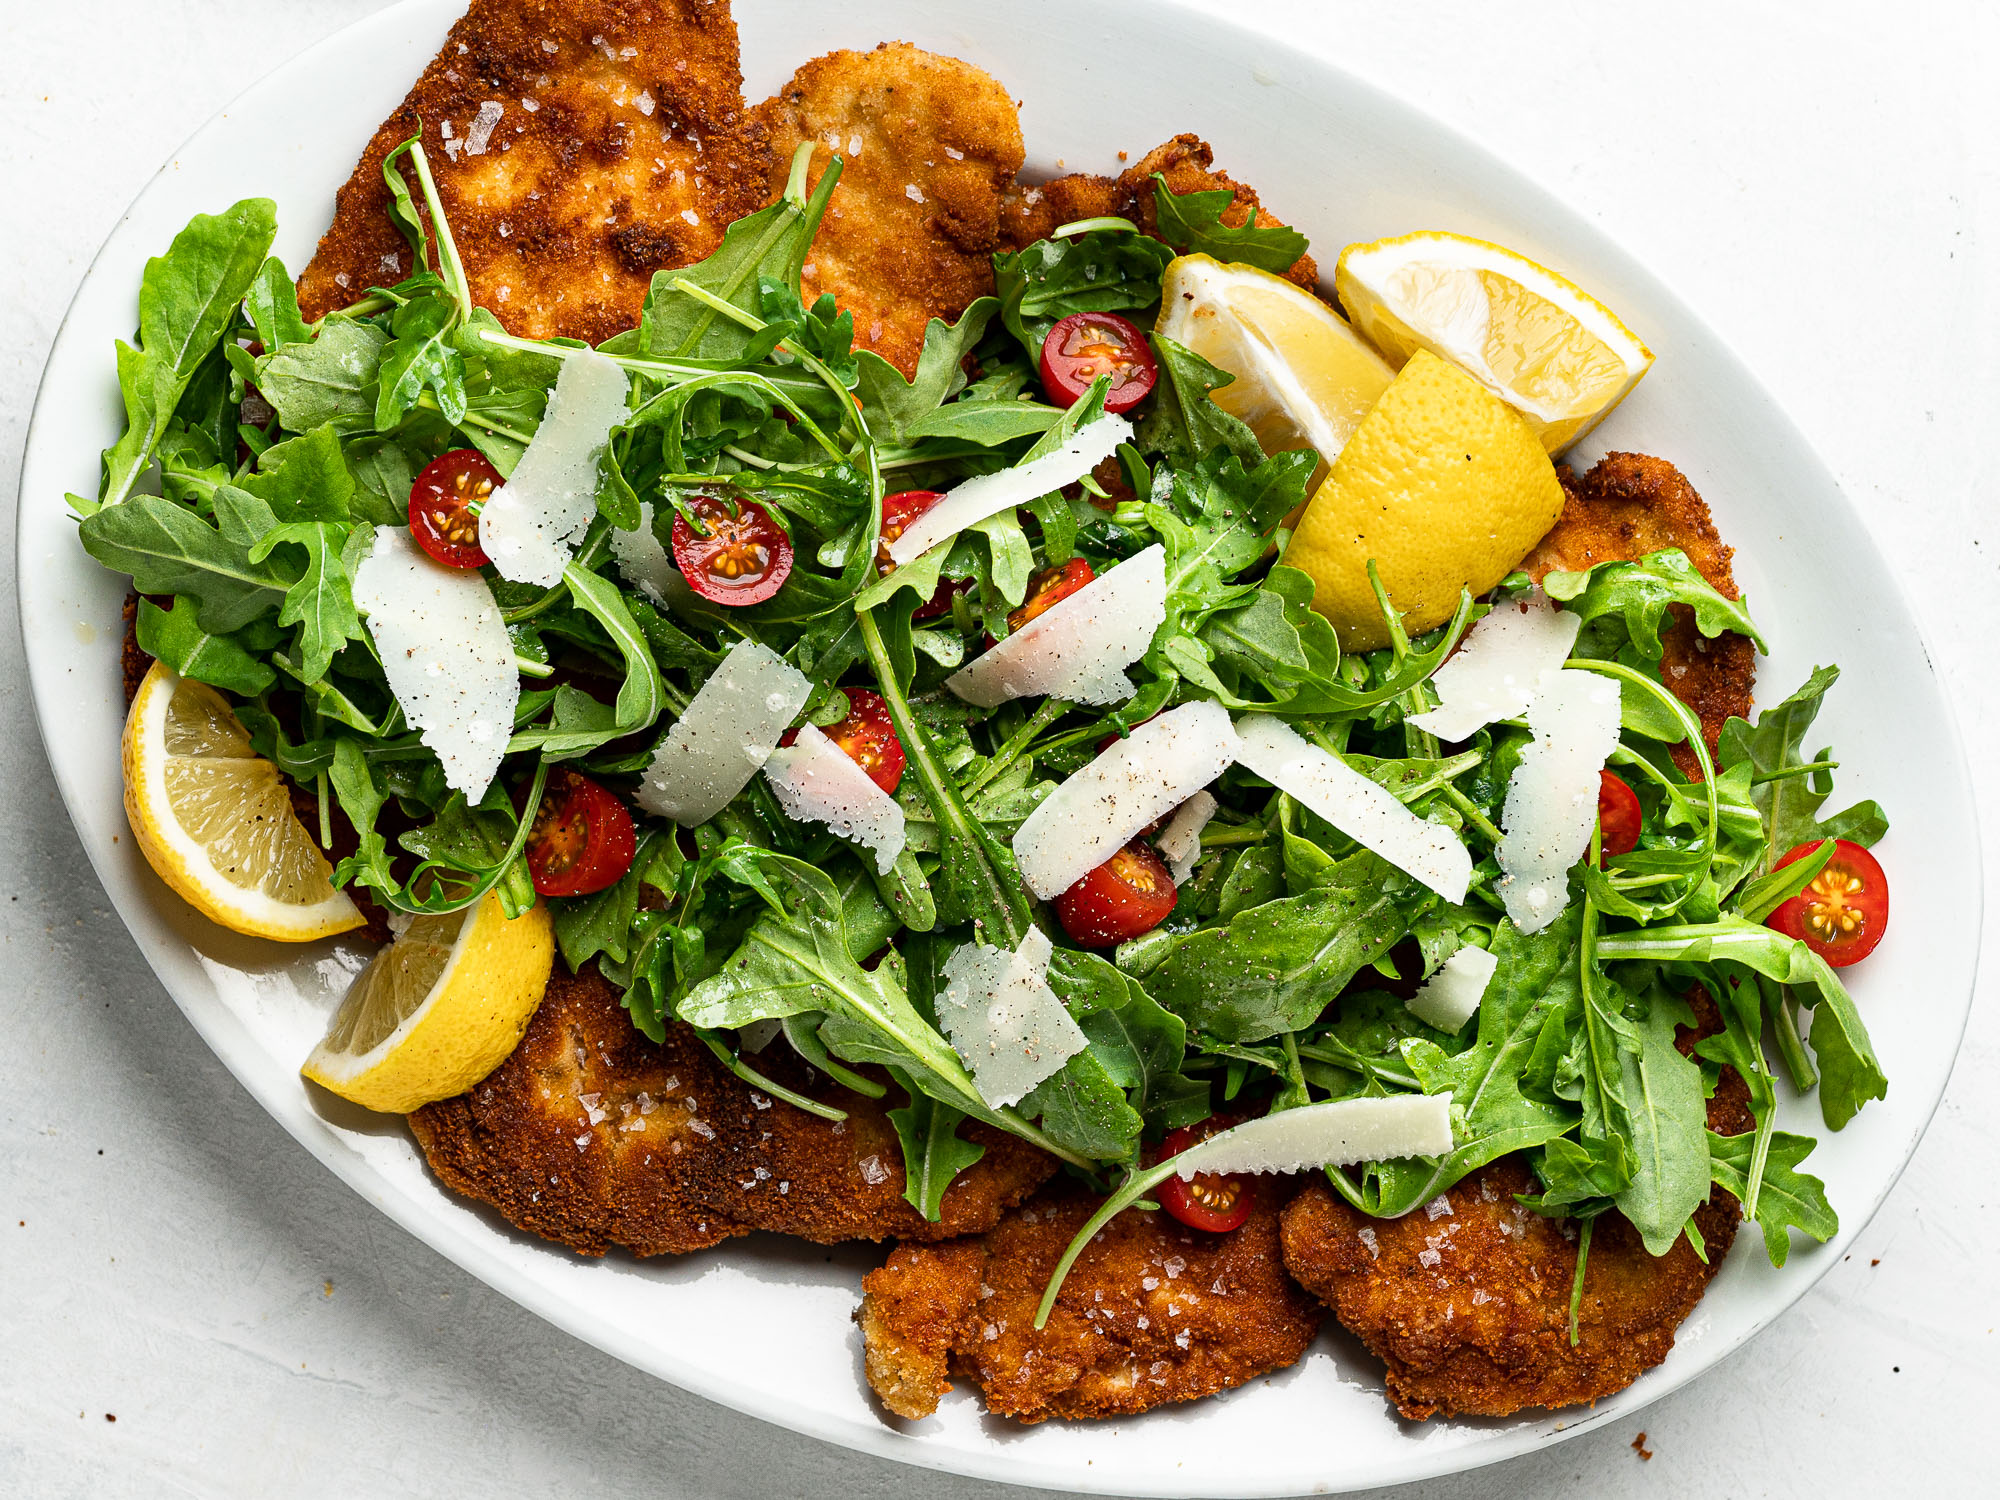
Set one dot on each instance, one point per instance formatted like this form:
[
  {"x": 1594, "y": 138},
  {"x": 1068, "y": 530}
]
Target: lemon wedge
[
  {"x": 1531, "y": 337},
  {"x": 1443, "y": 485},
  {"x": 438, "y": 1009},
  {"x": 1303, "y": 377},
  {"x": 215, "y": 819}
]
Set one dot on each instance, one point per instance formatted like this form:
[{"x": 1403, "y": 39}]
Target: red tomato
[
  {"x": 444, "y": 506},
  {"x": 868, "y": 736},
  {"x": 1619, "y": 816},
  {"x": 1843, "y": 911},
  {"x": 898, "y": 510},
  {"x": 582, "y": 840},
  {"x": 1049, "y": 588},
  {"x": 740, "y": 557},
  {"x": 1086, "y": 345},
  {"x": 1130, "y": 893},
  {"x": 1206, "y": 1200}
]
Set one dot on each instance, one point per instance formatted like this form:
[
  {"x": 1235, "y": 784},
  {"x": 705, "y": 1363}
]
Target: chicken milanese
[
  {"x": 1152, "y": 1313},
  {"x": 822, "y": 813},
  {"x": 592, "y": 1136}
]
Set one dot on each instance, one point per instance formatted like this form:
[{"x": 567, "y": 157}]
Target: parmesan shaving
[
  {"x": 1108, "y": 803},
  {"x": 725, "y": 736},
  {"x": 815, "y": 781},
  {"x": 1451, "y": 996},
  {"x": 1367, "y": 813},
  {"x": 1495, "y": 672},
  {"x": 973, "y": 501},
  {"x": 1337, "y": 1133},
  {"x": 1077, "y": 649},
  {"x": 446, "y": 653},
  {"x": 1552, "y": 797},
  {"x": 1003, "y": 1018},
  {"x": 530, "y": 525},
  {"x": 1180, "y": 842}
]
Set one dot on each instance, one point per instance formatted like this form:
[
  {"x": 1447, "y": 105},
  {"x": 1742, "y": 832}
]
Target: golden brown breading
[
  {"x": 1188, "y": 164},
  {"x": 592, "y": 1136},
  {"x": 1153, "y": 1312},
  {"x": 579, "y": 146},
  {"x": 927, "y": 146},
  {"x": 1627, "y": 506},
  {"x": 1470, "y": 1309}
]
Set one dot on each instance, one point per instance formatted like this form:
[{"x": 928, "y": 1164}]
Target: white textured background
[{"x": 1818, "y": 179}]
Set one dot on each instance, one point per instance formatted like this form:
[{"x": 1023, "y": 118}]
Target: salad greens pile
[{"x": 261, "y": 451}]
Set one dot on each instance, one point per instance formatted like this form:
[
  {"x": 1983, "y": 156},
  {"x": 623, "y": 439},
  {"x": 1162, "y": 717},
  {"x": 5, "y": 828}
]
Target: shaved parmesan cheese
[
  {"x": 445, "y": 651},
  {"x": 1076, "y": 649},
  {"x": 1180, "y": 842},
  {"x": 1003, "y": 1018},
  {"x": 1108, "y": 803},
  {"x": 725, "y": 736},
  {"x": 643, "y": 562},
  {"x": 530, "y": 525},
  {"x": 1365, "y": 812},
  {"x": 1451, "y": 996},
  {"x": 816, "y": 781},
  {"x": 1337, "y": 1133},
  {"x": 969, "y": 503},
  {"x": 1552, "y": 796},
  {"x": 1498, "y": 667}
]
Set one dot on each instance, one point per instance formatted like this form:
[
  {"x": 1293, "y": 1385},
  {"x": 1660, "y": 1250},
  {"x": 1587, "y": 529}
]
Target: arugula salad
[{"x": 972, "y": 729}]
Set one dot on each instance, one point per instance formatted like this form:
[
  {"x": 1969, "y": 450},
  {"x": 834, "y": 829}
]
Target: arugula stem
[
  {"x": 1135, "y": 1186},
  {"x": 1792, "y": 1047},
  {"x": 1051, "y": 710},
  {"x": 405, "y": 899},
  {"x": 1782, "y": 772},
  {"x": 448, "y": 262},
  {"x": 1576, "y": 1287},
  {"x": 428, "y": 401},
  {"x": 732, "y": 1059},
  {"x": 1469, "y": 810},
  {"x": 1223, "y": 837}
]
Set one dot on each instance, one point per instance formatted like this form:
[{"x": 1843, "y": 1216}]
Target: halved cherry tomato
[
  {"x": 444, "y": 506},
  {"x": 1619, "y": 816},
  {"x": 1049, "y": 588},
  {"x": 582, "y": 840},
  {"x": 898, "y": 510},
  {"x": 1843, "y": 911},
  {"x": 1086, "y": 345},
  {"x": 740, "y": 556},
  {"x": 1206, "y": 1200},
  {"x": 1130, "y": 893},
  {"x": 868, "y": 736}
]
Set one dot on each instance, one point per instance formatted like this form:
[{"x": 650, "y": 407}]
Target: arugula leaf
[
  {"x": 305, "y": 479},
  {"x": 1666, "y": 1124},
  {"x": 321, "y": 600},
  {"x": 188, "y": 300},
  {"x": 602, "y": 923},
  {"x": 894, "y": 406},
  {"x": 1138, "y": 1042},
  {"x": 361, "y": 798},
  {"x": 1083, "y": 1108},
  {"x": 770, "y": 244},
  {"x": 1790, "y": 801},
  {"x": 1641, "y": 592},
  {"x": 643, "y": 694},
  {"x": 933, "y": 1151},
  {"x": 1182, "y": 421},
  {"x": 1101, "y": 271},
  {"x": 167, "y": 549},
  {"x": 421, "y": 357},
  {"x": 273, "y": 305},
  {"x": 227, "y": 661},
  {"x": 1788, "y": 1198},
  {"x": 330, "y": 379},
  {"x": 1193, "y": 222},
  {"x": 1273, "y": 968}
]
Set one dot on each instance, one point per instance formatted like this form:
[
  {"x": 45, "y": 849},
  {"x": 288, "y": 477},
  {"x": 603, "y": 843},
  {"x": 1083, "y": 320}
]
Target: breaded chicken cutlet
[
  {"x": 593, "y": 1136},
  {"x": 1153, "y": 1312},
  {"x": 1187, "y": 162},
  {"x": 928, "y": 147},
  {"x": 1626, "y": 506},
  {"x": 1466, "y": 1301},
  {"x": 578, "y": 145}
]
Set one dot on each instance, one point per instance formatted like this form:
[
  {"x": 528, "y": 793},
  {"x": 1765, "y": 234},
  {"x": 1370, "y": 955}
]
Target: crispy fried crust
[
  {"x": 928, "y": 144},
  {"x": 592, "y": 1136},
  {"x": 1469, "y": 1306},
  {"x": 1470, "y": 1310},
  {"x": 1627, "y": 506},
  {"x": 1153, "y": 1312},
  {"x": 1188, "y": 164},
  {"x": 622, "y": 147}
]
